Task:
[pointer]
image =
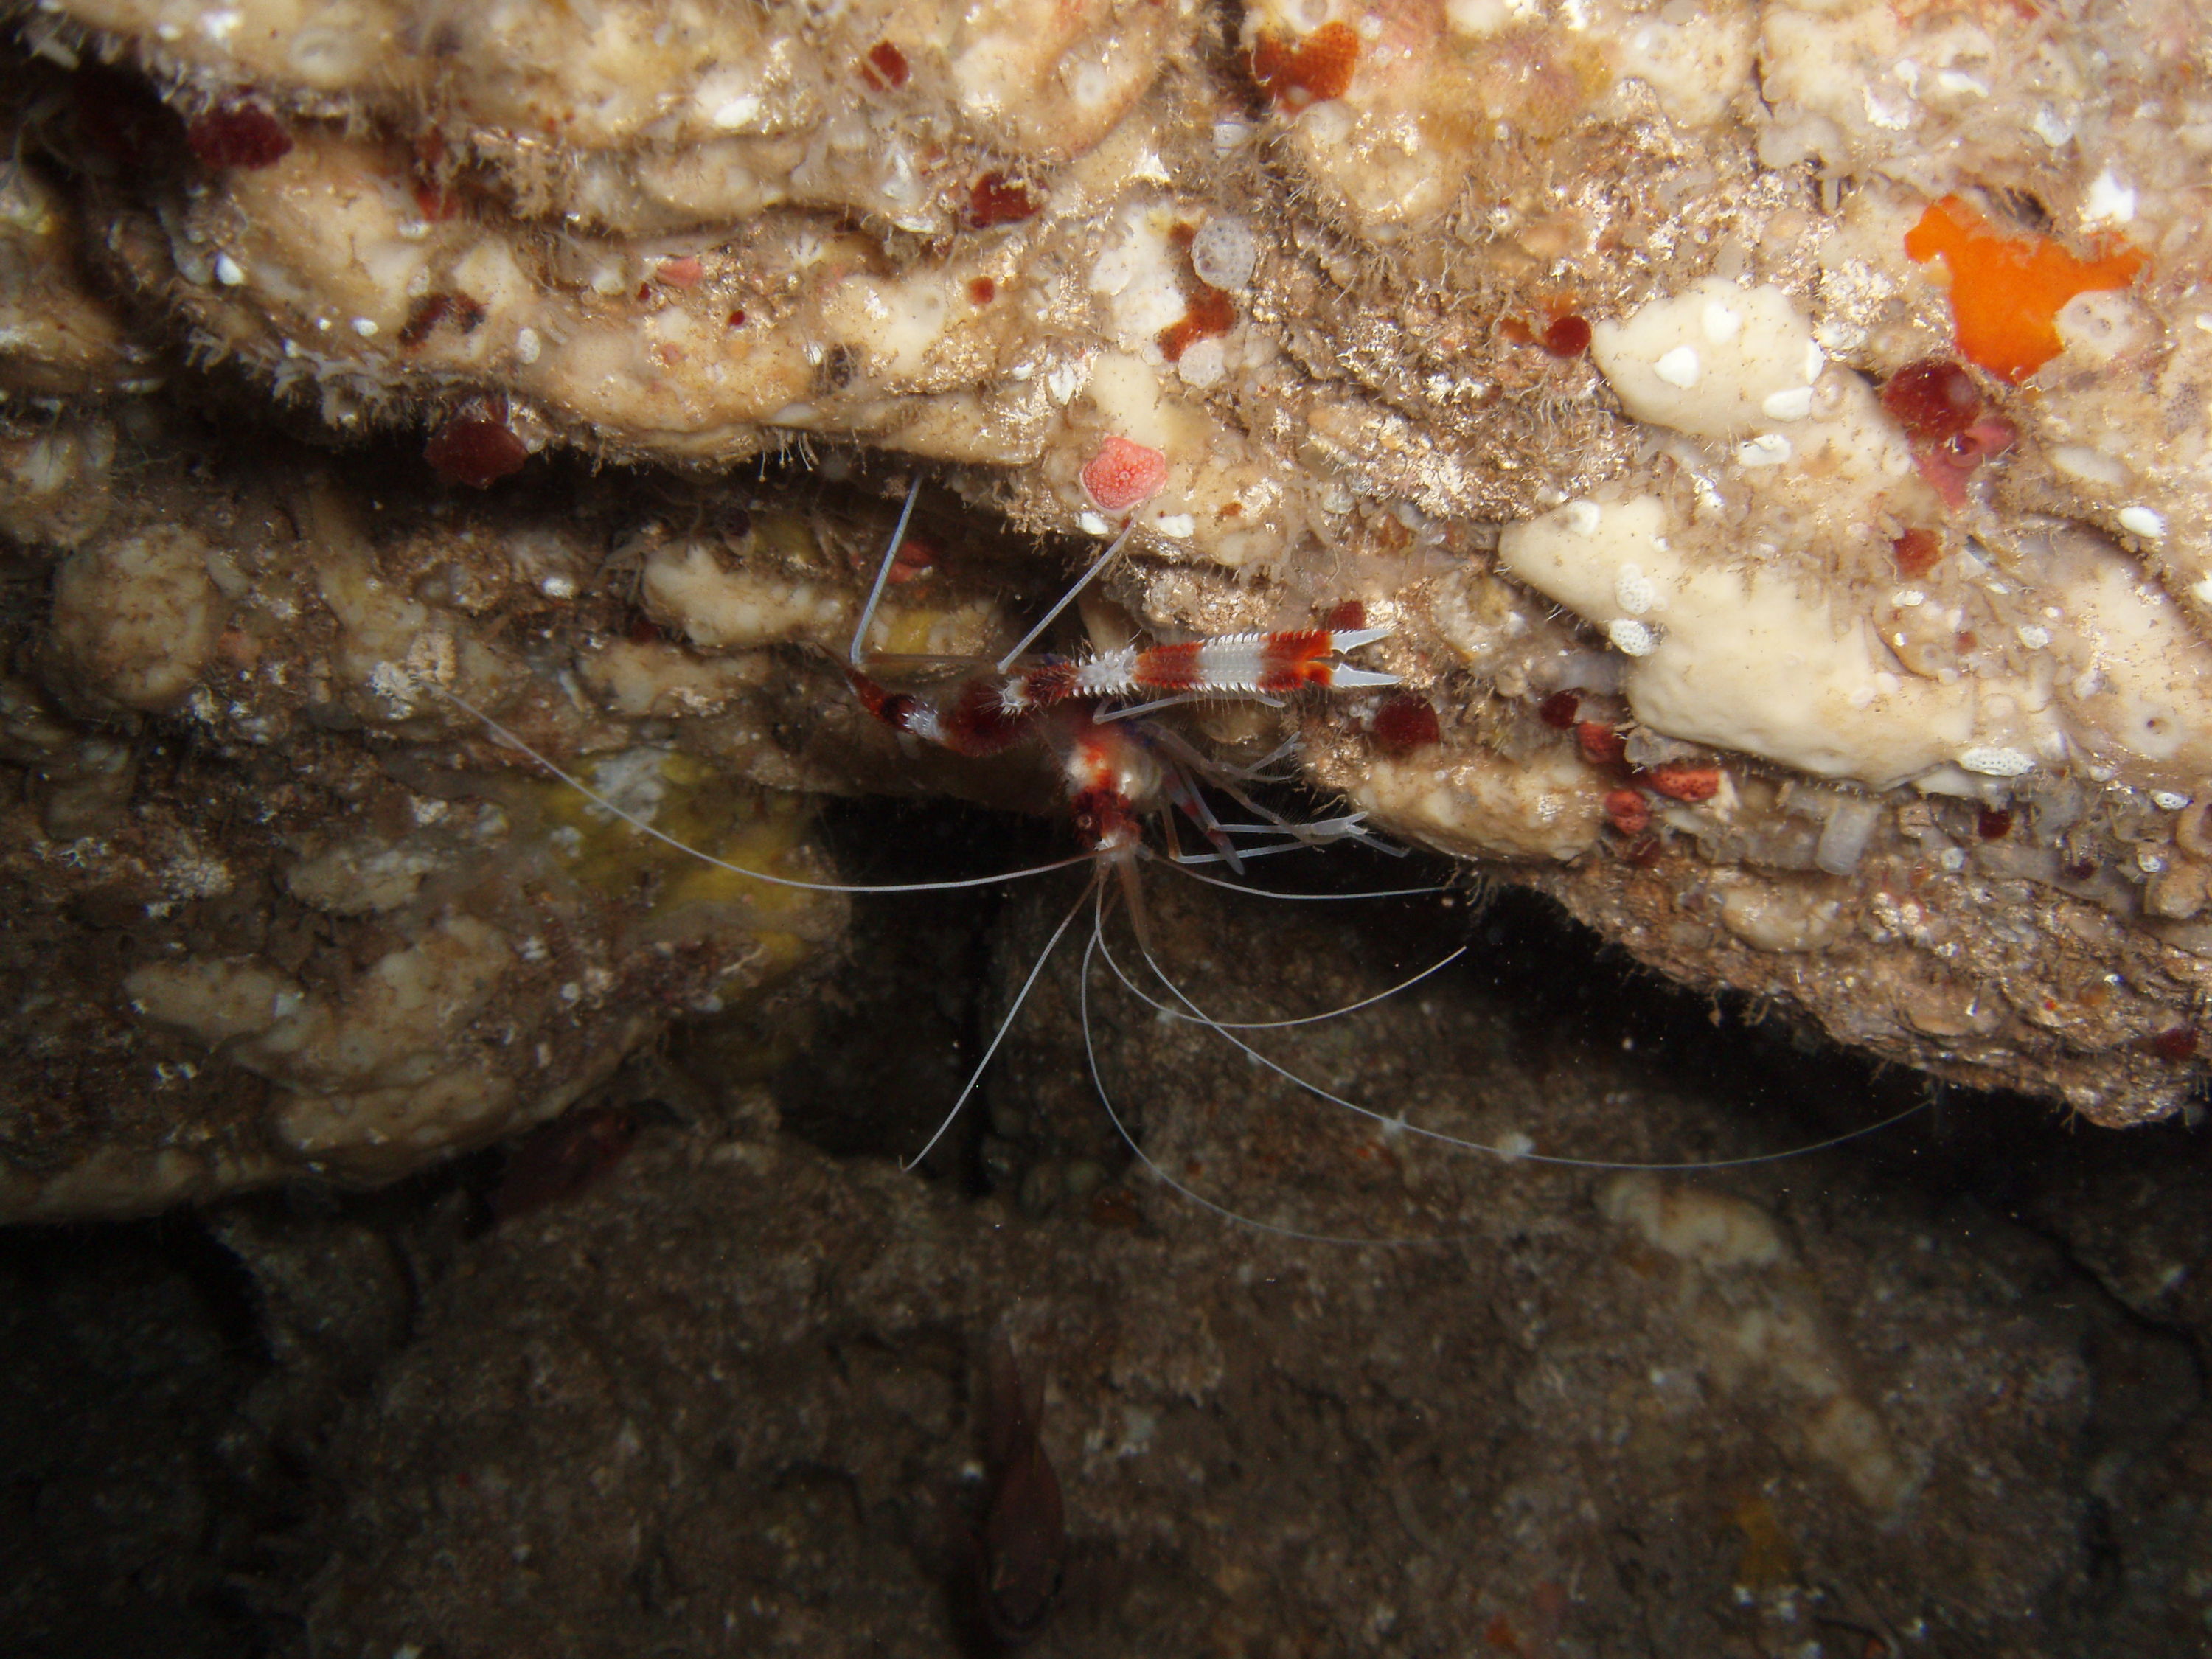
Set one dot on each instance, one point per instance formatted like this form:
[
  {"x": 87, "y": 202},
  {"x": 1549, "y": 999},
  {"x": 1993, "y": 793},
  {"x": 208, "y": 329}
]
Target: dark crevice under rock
[{"x": 719, "y": 1393}]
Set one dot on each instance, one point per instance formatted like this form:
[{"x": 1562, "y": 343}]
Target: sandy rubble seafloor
[
  {"x": 1937, "y": 1393},
  {"x": 1775, "y": 438}
]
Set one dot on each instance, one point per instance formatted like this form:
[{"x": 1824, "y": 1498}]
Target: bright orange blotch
[
  {"x": 1314, "y": 71},
  {"x": 2007, "y": 291}
]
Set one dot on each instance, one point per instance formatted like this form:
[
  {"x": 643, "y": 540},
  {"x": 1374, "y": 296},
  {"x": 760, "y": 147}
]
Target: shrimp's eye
[{"x": 1102, "y": 819}]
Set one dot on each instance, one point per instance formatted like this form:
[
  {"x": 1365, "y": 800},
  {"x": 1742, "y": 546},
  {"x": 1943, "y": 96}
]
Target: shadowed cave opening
[{"x": 176, "y": 1385}]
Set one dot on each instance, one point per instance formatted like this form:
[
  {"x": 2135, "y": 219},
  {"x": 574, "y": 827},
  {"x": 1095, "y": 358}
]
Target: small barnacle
[{"x": 839, "y": 366}]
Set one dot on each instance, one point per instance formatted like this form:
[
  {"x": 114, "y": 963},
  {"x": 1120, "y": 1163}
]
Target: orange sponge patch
[{"x": 2007, "y": 291}]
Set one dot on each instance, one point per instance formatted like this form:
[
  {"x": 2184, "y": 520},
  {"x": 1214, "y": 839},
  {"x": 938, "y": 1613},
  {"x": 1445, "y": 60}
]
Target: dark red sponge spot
[
  {"x": 240, "y": 135},
  {"x": 475, "y": 451},
  {"x": 1405, "y": 723}
]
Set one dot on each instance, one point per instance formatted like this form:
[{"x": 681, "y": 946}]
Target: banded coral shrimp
[{"x": 1097, "y": 714}]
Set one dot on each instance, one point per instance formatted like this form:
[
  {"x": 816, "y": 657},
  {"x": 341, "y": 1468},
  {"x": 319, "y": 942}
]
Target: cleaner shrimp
[{"x": 1120, "y": 769}]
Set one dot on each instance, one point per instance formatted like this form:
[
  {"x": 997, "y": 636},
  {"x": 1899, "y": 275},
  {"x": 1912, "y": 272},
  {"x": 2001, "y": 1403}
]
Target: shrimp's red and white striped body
[
  {"x": 1220, "y": 665},
  {"x": 1120, "y": 767},
  {"x": 1115, "y": 764}
]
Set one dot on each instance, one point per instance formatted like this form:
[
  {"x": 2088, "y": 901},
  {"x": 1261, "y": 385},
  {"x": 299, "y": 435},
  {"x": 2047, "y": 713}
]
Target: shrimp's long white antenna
[
  {"x": 1096, "y": 946},
  {"x": 1162, "y": 1008},
  {"x": 1182, "y": 867},
  {"x": 1064, "y": 601},
  {"x": 1005, "y": 1026},
  {"x": 884, "y": 572},
  {"x": 513, "y": 740},
  {"x": 1509, "y": 1156}
]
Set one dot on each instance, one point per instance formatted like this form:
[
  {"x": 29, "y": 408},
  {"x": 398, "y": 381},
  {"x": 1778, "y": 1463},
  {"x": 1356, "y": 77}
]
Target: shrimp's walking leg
[{"x": 1064, "y": 601}]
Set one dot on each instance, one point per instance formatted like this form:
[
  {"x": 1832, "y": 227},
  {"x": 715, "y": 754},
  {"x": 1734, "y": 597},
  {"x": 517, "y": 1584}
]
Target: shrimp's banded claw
[{"x": 974, "y": 721}]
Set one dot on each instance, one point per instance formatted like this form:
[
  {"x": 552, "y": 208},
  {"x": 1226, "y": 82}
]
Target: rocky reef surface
[
  {"x": 1773, "y": 433},
  {"x": 1774, "y": 436}
]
